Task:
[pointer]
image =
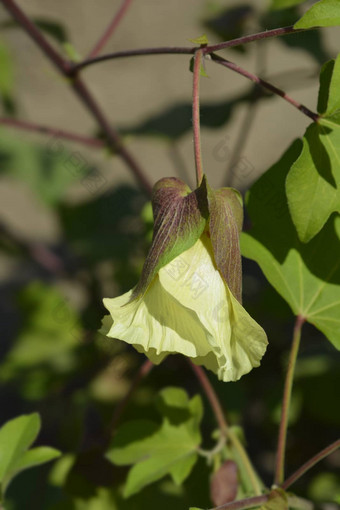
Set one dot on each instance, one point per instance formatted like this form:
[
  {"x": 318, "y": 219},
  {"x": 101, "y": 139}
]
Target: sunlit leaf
[
  {"x": 306, "y": 275},
  {"x": 16, "y": 436},
  {"x": 155, "y": 451},
  {"x": 314, "y": 180},
  {"x": 325, "y": 13}
]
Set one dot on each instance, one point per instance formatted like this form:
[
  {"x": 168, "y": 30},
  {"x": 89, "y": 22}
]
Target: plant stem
[
  {"x": 247, "y": 465},
  {"x": 58, "y": 133},
  {"x": 196, "y": 116},
  {"x": 236, "y": 68},
  {"x": 243, "y": 504},
  {"x": 223, "y": 426},
  {"x": 212, "y": 397},
  {"x": 111, "y": 28},
  {"x": 185, "y": 50},
  {"x": 287, "y": 393},
  {"x": 310, "y": 463},
  {"x": 21, "y": 18},
  {"x": 67, "y": 70}
]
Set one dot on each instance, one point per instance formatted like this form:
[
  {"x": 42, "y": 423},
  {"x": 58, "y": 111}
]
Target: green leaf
[
  {"x": 180, "y": 216},
  {"x": 156, "y": 451},
  {"x": 32, "y": 458},
  {"x": 325, "y": 13},
  {"x": 307, "y": 276},
  {"x": 329, "y": 93},
  {"x": 284, "y": 4},
  {"x": 314, "y": 180},
  {"x": 200, "y": 40},
  {"x": 15, "y": 437},
  {"x": 202, "y": 69}
]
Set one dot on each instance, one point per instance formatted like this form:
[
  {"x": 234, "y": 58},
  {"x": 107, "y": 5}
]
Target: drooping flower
[{"x": 188, "y": 299}]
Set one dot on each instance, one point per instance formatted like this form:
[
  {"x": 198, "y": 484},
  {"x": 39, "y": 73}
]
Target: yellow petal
[
  {"x": 189, "y": 309},
  {"x": 157, "y": 324},
  {"x": 237, "y": 342}
]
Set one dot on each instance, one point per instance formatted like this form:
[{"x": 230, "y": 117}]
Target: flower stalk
[
  {"x": 287, "y": 394},
  {"x": 196, "y": 115}
]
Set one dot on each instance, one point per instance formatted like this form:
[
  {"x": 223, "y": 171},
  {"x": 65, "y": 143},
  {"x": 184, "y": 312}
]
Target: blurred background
[{"x": 75, "y": 227}]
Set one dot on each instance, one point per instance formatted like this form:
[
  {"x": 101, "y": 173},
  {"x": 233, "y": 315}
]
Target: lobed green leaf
[
  {"x": 307, "y": 275},
  {"x": 156, "y": 451},
  {"x": 325, "y": 13}
]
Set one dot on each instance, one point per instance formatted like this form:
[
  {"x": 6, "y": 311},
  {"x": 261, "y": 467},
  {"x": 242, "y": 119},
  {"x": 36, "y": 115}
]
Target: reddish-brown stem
[
  {"x": 275, "y": 32},
  {"x": 142, "y": 372},
  {"x": 211, "y": 396},
  {"x": 111, "y": 28},
  {"x": 21, "y": 18},
  {"x": 58, "y": 133},
  {"x": 242, "y": 504},
  {"x": 310, "y": 463},
  {"x": 184, "y": 50},
  {"x": 236, "y": 68},
  {"x": 196, "y": 116},
  {"x": 287, "y": 393},
  {"x": 65, "y": 68}
]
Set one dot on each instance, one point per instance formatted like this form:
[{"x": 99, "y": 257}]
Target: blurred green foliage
[{"x": 53, "y": 360}]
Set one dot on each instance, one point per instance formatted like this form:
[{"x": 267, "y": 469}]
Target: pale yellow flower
[{"x": 188, "y": 308}]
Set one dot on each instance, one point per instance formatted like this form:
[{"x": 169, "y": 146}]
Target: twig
[
  {"x": 196, "y": 116},
  {"x": 111, "y": 28},
  {"x": 185, "y": 50},
  {"x": 310, "y": 463},
  {"x": 287, "y": 393},
  {"x": 224, "y": 429},
  {"x": 243, "y": 504},
  {"x": 212, "y": 397},
  {"x": 67, "y": 70},
  {"x": 234, "y": 67},
  {"x": 268, "y": 34},
  {"x": 58, "y": 133}
]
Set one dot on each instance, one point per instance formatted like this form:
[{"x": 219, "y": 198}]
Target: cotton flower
[{"x": 186, "y": 306}]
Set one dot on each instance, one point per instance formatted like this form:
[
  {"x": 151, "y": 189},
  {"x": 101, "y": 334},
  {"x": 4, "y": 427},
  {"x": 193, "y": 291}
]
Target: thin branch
[
  {"x": 196, "y": 116},
  {"x": 111, "y": 28},
  {"x": 65, "y": 68},
  {"x": 287, "y": 393},
  {"x": 162, "y": 50},
  {"x": 310, "y": 463},
  {"x": 58, "y": 133},
  {"x": 243, "y": 504},
  {"x": 21, "y": 18},
  {"x": 223, "y": 426},
  {"x": 212, "y": 397},
  {"x": 185, "y": 50},
  {"x": 267, "y": 34},
  {"x": 234, "y": 67}
]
